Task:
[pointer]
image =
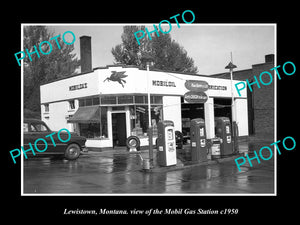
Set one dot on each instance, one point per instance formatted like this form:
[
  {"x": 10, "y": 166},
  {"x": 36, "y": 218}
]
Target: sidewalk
[
  {"x": 245, "y": 146},
  {"x": 183, "y": 161},
  {"x": 183, "y": 158}
]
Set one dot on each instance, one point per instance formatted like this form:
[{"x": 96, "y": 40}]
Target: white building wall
[
  {"x": 56, "y": 117},
  {"x": 96, "y": 143},
  {"x": 242, "y": 116},
  {"x": 209, "y": 117},
  {"x": 60, "y": 90},
  {"x": 172, "y": 110}
]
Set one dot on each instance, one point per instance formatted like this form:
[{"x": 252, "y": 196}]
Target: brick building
[{"x": 260, "y": 100}]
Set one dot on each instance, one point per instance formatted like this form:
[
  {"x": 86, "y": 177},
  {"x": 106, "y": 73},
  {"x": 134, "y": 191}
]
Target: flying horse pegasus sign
[{"x": 117, "y": 76}]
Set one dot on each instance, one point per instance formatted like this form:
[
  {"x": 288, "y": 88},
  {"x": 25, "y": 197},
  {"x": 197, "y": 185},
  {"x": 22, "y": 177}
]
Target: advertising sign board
[
  {"x": 196, "y": 85},
  {"x": 195, "y": 97}
]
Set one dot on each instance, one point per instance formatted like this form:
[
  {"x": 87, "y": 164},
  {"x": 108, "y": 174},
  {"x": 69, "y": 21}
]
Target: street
[{"x": 120, "y": 172}]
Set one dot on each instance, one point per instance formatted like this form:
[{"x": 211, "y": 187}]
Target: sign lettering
[
  {"x": 163, "y": 83},
  {"x": 77, "y": 87}
]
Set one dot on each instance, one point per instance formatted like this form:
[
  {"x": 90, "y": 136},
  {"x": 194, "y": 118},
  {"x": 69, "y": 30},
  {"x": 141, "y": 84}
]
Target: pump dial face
[{"x": 170, "y": 134}]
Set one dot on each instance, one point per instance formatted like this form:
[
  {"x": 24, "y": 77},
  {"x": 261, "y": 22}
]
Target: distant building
[{"x": 260, "y": 100}]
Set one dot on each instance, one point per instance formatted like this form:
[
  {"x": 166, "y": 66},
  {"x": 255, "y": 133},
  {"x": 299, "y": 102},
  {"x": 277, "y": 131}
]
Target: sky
[{"x": 209, "y": 45}]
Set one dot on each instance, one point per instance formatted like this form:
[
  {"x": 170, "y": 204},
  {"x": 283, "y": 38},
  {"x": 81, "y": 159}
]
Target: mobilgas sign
[
  {"x": 195, "y": 97},
  {"x": 196, "y": 85},
  {"x": 163, "y": 83},
  {"x": 77, "y": 87}
]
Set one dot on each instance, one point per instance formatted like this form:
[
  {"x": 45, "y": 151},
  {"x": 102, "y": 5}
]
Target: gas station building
[{"x": 109, "y": 104}]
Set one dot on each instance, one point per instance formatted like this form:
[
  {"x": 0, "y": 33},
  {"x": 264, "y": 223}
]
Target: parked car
[{"x": 35, "y": 129}]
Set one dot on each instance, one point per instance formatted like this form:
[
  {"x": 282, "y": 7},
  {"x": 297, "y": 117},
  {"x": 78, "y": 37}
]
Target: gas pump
[
  {"x": 223, "y": 131},
  {"x": 198, "y": 140},
  {"x": 166, "y": 144}
]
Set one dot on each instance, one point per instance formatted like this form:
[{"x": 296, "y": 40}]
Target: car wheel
[{"x": 72, "y": 152}]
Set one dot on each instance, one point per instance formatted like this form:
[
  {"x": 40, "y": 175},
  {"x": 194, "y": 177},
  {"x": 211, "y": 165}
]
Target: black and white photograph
[
  {"x": 144, "y": 112},
  {"x": 172, "y": 109}
]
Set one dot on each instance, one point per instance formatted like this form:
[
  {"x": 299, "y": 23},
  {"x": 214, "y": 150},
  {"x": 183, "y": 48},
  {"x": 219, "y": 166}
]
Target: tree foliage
[
  {"x": 46, "y": 68},
  {"x": 167, "y": 54}
]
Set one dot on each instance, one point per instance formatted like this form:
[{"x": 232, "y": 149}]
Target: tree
[
  {"x": 167, "y": 53},
  {"x": 46, "y": 68}
]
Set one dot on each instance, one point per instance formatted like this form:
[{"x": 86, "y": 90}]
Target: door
[{"x": 119, "y": 129}]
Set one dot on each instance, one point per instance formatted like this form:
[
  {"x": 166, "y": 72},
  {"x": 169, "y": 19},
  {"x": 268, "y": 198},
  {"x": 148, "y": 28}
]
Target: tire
[
  {"x": 133, "y": 141},
  {"x": 72, "y": 152}
]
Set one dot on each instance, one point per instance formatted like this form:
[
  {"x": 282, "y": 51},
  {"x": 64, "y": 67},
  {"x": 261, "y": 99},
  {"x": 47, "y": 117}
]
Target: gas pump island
[{"x": 166, "y": 141}]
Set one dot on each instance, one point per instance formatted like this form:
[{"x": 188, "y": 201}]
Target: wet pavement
[{"x": 120, "y": 172}]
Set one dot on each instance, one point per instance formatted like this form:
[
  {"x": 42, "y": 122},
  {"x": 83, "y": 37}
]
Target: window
[
  {"x": 96, "y": 101},
  {"x": 90, "y": 130},
  {"x": 89, "y": 101},
  {"x": 156, "y": 99},
  {"x": 81, "y": 103},
  {"x": 108, "y": 100},
  {"x": 115, "y": 100},
  {"x": 139, "y": 119},
  {"x": 95, "y": 130},
  {"x": 38, "y": 127},
  {"x": 72, "y": 104},
  {"x": 139, "y": 99},
  {"x": 126, "y": 99},
  {"x": 116, "y": 108},
  {"x": 46, "y": 107}
]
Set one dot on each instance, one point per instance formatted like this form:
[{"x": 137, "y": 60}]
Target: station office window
[
  {"x": 89, "y": 101},
  {"x": 95, "y": 130},
  {"x": 139, "y": 115},
  {"x": 138, "y": 104},
  {"x": 139, "y": 119},
  {"x": 89, "y": 130}
]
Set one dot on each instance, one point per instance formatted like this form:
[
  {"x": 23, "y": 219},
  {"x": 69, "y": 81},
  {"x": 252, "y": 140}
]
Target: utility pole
[{"x": 231, "y": 66}]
